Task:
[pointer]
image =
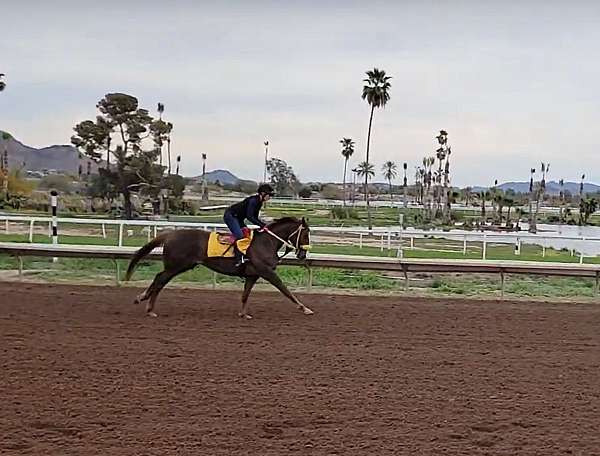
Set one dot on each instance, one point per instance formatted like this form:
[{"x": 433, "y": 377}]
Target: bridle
[{"x": 288, "y": 242}]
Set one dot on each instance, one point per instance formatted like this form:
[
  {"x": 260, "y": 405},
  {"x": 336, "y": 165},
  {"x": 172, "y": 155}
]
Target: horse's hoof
[
  {"x": 307, "y": 311},
  {"x": 246, "y": 316},
  {"x": 152, "y": 314}
]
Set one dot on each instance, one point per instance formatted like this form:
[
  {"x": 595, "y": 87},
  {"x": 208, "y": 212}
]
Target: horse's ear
[{"x": 304, "y": 222}]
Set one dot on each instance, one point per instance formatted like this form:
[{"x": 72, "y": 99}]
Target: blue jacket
[{"x": 249, "y": 209}]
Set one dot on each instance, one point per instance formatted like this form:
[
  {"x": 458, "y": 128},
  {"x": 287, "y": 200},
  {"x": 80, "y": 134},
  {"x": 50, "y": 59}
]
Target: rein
[{"x": 288, "y": 245}]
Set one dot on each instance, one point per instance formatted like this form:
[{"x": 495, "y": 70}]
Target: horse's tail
[{"x": 144, "y": 251}]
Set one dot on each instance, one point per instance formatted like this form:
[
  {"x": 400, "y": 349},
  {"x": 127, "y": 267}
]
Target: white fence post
[
  {"x": 484, "y": 245},
  {"x": 465, "y": 245},
  {"x": 121, "y": 235},
  {"x": 31, "y": 230}
]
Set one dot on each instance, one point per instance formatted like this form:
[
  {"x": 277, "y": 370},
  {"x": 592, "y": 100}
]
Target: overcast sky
[{"x": 513, "y": 83}]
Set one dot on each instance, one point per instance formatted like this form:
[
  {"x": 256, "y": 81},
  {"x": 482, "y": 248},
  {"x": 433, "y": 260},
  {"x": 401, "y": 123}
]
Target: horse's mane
[{"x": 285, "y": 220}]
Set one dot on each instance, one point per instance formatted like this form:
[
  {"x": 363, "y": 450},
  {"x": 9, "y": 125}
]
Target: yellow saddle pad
[{"x": 218, "y": 249}]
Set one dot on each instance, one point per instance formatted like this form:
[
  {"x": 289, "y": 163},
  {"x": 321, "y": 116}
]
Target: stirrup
[{"x": 242, "y": 261}]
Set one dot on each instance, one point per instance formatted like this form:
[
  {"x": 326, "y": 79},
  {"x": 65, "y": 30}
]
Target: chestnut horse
[{"x": 185, "y": 249}]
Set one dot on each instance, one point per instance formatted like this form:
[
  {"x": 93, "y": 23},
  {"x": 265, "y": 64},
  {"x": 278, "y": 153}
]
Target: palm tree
[
  {"x": 484, "y": 195},
  {"x": 376, "y": 92},
  {"x": 366, "y": 170},
  {"x": 468, "y": 192},
  {"x": 2, "y": 83},
  {"x": 520, "y": 213},
  {"x": 347, "y": 151},
  {"x": 561, "y": 182},
  {"x": 586, "y": 208},
  {"x": 498, "y": 199},
  {"x": 428, "y": 163},
  {"x": 405, "y": 185},
  {"x": 419, "y": 173},
  {"x": 508, "y": 202},
  {"x": 532, "y": 225},
  {"x": 389, "y": 173},
  {"x": 581, "y": 186},
  {"x": 541, "y": 191},
  {"x": 354, "y": 173},
  {"x": 170, "y": 128}
]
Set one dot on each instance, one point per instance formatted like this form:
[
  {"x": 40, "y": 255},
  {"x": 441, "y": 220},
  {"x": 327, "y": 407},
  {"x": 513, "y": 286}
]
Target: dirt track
[{"x": 83, "y": 372}]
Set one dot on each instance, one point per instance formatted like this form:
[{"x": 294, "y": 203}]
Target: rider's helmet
[{"x": 266, "y": 189}]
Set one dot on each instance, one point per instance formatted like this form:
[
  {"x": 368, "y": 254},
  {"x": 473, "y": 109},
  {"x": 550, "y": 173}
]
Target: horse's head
[
  {"x": 302, "y": 241},
  {"x": 294, "y": 233}
]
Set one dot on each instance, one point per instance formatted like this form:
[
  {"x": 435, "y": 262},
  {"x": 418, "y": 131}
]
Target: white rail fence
[{"x": 386, "y": 238}]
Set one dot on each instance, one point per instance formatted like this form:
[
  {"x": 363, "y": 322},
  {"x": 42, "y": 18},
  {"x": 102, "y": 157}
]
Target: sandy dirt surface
[{"x": 83, "y": 372}]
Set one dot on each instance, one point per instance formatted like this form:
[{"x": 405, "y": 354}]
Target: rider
[{"x": 249, "y": 209}]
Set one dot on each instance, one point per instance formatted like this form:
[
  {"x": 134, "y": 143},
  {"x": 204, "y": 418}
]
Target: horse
[{"x": 185, "y": 249}]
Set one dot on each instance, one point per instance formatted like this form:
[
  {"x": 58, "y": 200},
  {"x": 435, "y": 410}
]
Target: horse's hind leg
[
  {"x": 274, "y": 279},
  {"x": 142, "y": 296},
  {"x": 160, "y": 281},
  {"x": 250, "y": 281}
]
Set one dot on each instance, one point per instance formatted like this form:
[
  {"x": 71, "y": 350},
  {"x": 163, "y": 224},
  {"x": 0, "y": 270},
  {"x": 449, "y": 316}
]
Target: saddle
[{"x": 221, "y": 244}]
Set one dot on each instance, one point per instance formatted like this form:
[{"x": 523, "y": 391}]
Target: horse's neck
[{"x": 285, "y": 229}]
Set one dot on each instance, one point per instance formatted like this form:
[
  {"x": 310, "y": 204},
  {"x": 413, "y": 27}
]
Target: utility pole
[{"x": 204, "y": 186}]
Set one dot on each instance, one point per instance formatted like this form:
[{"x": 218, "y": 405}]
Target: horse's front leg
[
  {"x": 250, "y": 281},
  {"x": 274, "y": 280}
]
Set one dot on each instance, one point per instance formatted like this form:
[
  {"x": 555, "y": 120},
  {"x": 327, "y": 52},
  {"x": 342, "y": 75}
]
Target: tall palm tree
[
  {"x": 366, "y": 170},
  {"x": 170, "y": 128},
  {"x": 419, "y": 173},
  {"x": 581, "y": 186},
  {"x": 508, "y": 202},
  {"x": 354, "y": 173},
  {"x": 484, "y": 195},
  {"x": 376, "y": 92},
  {"x": 498, "y": 199},
  {"x": 532, "y": 224},
  {"x": 405, "y": 185},
  {"x": 520, "y": 213},
  {"x": 541, "y": 191},
  {"x": 561, "y": 182},
  {"x": 389, "y": 173},
  {"x": 428, "y": 179},
  {"x": 468, "y": 192},
  {"x": 347, "y": 151},
  {"x": 2, "y": 83}
]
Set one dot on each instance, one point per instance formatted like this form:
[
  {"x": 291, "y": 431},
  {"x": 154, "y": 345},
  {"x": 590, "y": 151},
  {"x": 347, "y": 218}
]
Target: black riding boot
[{"x": 240, "y": 259}]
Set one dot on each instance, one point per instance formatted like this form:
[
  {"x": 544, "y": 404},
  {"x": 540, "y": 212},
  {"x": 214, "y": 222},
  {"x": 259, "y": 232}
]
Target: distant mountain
[
  {"x": 221, "y": 175},
  {"x": 552, "y": 187},
  {"x": 62, "y": 158}
]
